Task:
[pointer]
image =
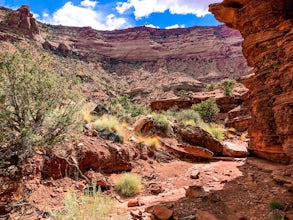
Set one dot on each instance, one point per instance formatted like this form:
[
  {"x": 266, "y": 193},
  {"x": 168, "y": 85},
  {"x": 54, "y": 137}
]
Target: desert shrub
[
  {"x": 122, "y": 106},
  {"x": 86, "y": 110},
  {"x": 216, "y": 130},
  {"x": 227, "y": 91},
  {"x": 149, "y": 142},
  {"x": 276, "y": 205},
  {"x": 128, "y": 184},
  {"x": 211, "y": 86},
  {"x": 228, "y": 85},
  {"x": 89, "y": 206},
  {"x": 37, "y": 108},
  {"x": 161, "y": 121},
  {"x": 187, "y": 116},
  {"x": 183, "y": 93},
  {"x": 207, "y": 109},
  {"x": 110, "y": 128}
]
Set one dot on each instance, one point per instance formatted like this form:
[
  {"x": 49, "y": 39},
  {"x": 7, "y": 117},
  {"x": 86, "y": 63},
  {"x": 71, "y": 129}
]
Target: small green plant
[
  {"x": 122, "y": 106},
  {"x": 227, "y": 91},
  {"x": 128, "y": 184},
  {"x": 110, "y": 128},
  {"x": 207, "y": 109},
  {"x": 211, "y": 86},
  {"x": 187, "y": 116},
  {"x": 107, "y": 122},
  {"x": 276, "y": 205},
  {"x": 88, "y": 206},
  {"x": 228, "y": 85},
  {"x": 216, "y": 130},
  {"x": 161, "y": 121}
]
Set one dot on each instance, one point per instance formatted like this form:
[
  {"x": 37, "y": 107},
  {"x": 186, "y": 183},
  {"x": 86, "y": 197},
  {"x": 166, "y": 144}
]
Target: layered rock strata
[{"x": 267, "y": 29}]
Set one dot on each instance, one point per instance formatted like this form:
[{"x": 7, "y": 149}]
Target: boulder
[
  {"x": 195, "y": 191},
  {"x": 98, "y": 179},
  {"x": 162, "y": 212},
  {"x": 143, "y": 124},
  {"x": 235, "y": 149},
  {"x": 199, "y": 137}
]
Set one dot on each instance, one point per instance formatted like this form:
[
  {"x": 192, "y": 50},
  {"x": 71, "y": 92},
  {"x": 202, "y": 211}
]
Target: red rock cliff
[{"x": 267, "y": 28}]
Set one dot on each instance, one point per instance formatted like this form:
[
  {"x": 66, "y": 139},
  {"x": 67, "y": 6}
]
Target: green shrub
[
  {"x": 128, "y": 184},
  {"x": 187, "y": 115},
  {"x": 207, "y": 109},
  {"x": 227, "y": 91},
  {"x": 89, "y": 206},
  {"x": 161, "y": 121},
  {"x": 228, "y": 85},
  {"x": 107, "y": 122},
  {"x": 211, "y": 86},
  {"x": 110, "y": 128},
  {"x": 122, "y": 106},
  {"x": 37, "y": 108},
  {"x": 276, "y": 205},
  {"x": 216, "y": 130}
]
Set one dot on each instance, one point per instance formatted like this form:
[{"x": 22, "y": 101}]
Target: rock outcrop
[
  {"x": 267, "y": 29},
  {"x": 22, "y": 20}
]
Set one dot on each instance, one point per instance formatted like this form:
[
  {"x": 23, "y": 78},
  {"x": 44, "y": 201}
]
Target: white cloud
[
  {"x": 143, "y": 8},
  {"x": 45, "y": 14},
  {"x": 72, "y": 15},
  {"x": 175, "y": 26},
  {"x": 151, "y": 26},
  {"x": 88, "y": 3}
]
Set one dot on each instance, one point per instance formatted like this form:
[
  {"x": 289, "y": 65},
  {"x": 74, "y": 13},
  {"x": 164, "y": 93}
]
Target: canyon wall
[
  {"x": 206, "y": 53},
  {"x": 267, "y": 29}
]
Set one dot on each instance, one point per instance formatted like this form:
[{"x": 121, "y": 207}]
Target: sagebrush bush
[
  {"x": 37, "y": 108},
  {"x": 128, "y": 184},
  {"x": 207, "y": 109}
]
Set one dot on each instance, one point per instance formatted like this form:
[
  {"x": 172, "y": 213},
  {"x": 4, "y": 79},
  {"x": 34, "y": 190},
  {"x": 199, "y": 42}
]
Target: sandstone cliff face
[
  {"x": 206, "y": 53},
  {"x": 267, "y": 28}
]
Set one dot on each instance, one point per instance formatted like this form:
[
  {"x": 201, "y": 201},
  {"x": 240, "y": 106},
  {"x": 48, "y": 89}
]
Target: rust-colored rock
[
  {"x": 23, "y": 20},
  {"x": 267, "y": 29},
  {"x": 143, "y": 124},
  {"x": 98, "y": 179},
  {"x": 162, "y": 212},
  {"x": 199, "y": 137}
]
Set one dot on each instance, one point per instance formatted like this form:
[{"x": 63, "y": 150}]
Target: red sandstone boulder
[
  {"x": 235, "y": 148},
  {"x": 162, "y": 212},
  {"x": 199, "y": 137}
]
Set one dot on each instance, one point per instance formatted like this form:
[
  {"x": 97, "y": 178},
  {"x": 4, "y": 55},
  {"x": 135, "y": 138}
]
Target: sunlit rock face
[{"x": 267, "y": 29}]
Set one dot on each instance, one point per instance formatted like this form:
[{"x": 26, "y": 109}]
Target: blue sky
[{"x": 119, "y": 14}]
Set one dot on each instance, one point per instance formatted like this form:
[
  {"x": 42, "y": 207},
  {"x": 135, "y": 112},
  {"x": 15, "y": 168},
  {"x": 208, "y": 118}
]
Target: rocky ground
[{"x": 224, "y": 189}]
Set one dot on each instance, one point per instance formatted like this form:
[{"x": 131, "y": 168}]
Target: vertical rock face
[
  {"x": 23, "y": 20},
  {"x": 267, "y": 28}
]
